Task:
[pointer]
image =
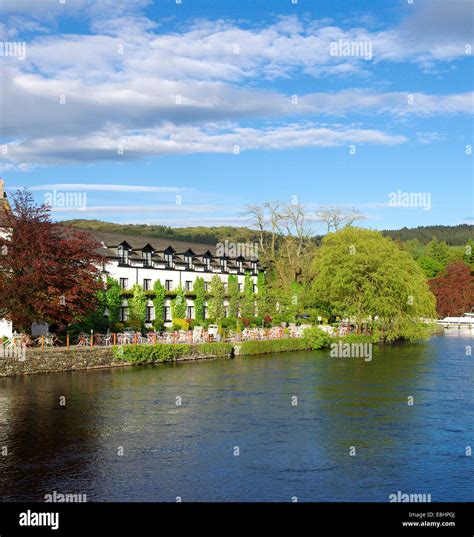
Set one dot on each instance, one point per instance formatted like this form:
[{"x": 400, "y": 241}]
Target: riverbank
[
  {"x": 58, "y": 359},
  {"x": 83, "y": 358}
]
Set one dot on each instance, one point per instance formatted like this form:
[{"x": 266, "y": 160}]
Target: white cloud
[
  {"x": 103, "y": 187},
  {"x": 172, "y": 139},
  {"x": 197, "y": 90}
]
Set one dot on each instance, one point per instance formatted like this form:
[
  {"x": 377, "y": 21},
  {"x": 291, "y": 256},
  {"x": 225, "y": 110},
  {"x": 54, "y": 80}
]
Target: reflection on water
[{"x": 286, "y": 449}]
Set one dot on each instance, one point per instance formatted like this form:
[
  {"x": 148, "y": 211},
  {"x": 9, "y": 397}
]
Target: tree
[
  {"x": 113, "y": 299},
  {"x": 159, "y": 300},
  {"x": 178, "y": 305},
  {"x": 431, "y": 267},
  {"x": 233, "y": 292},
  {"x": 454, "y": 290},
  {"x": 336, "y": 218},
  {"x": 247, "y": 307},
  {"x": 366, "y": 277},
  {"x": 199, "y": 299},
  {"x": 286, "y": 245},
  {"x": 216, "y": 300},
  {"x": 262, "y": 296},
  {"x": 137, "y": 304},
  {"x": 48, "y": 272}
]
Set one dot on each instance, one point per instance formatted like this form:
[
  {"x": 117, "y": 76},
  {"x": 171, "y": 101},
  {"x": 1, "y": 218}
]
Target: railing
[{"x": 50, "y": 341}]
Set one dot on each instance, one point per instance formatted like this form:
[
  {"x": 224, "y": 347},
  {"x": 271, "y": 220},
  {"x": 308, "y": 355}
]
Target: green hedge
[
  {"x": 169, "y": 352},
  {"x": 274, "y": 345}
]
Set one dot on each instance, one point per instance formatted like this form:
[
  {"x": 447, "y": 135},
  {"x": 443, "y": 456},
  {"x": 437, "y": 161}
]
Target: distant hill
[
  {"x": 201, "y": 234},
  {"x": 453, "y": 235}
]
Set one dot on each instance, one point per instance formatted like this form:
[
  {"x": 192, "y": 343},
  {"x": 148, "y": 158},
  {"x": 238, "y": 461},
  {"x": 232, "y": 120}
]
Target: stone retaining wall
[{"x": 57, "y": 359}]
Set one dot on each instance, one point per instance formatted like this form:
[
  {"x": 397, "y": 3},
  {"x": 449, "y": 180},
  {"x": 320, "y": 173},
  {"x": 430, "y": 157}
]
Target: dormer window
[
  {"x": 240, "y": 265},
  {"x": 147, "y": 258},
  {"x": 254, "y": 266},
  {"x": 123, "y": 254},
  {"x": 207, "y": 262},
  {"x": 188, "y": 259},
  {"x": 224, "y": 264},
  {"x": 168, "y": 259}
]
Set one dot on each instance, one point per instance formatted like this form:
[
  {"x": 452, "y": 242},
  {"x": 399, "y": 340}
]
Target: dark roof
[
  {"x": 112, "y": 240},
  {"x": 139, "y": 242}
]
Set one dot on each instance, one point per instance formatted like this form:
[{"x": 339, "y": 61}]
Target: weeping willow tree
[{"x": 366, "y": 277}]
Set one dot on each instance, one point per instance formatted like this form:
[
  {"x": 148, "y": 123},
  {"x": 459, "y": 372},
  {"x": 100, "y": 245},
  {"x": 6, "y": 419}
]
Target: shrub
[
  {"x": 159, "y": 325},
  {"x": 359, "y": 338},
  {"x": 119, "y": 327},
  {"x": 274, "y": 345},
  {"x": 135, "y": 324},
  {"x": 180, "y": 324},
  {"x": 229, "y": 323},
  {"x": 317, "y": 338},
  {"x": 163, "y": 352}
]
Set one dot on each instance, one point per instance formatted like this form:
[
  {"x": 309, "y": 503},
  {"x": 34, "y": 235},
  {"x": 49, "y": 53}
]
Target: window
[
  {"x": 147, "y": 259},
  {"x": 169, "y": 260},
  {"x": 254, "y": 266},
  {"x": 123, "y": 314},
  {"x": 146, "y": 284},
  {"x": 188, "y": 286},
  {"x": 190, "y": 312},
  {"x": 168, "y": 285},
  {"x": 123, "y": 255},
  {"x": 123, "y": 283},
  {"x": 206, "y": 286},
  {"x": 207, "y": 263},
  {"x": 149, "y": 314},
  {"x": 204, "y": 312},
  {"x": 224, "y": 264},
  {"x": 189, "y": 261},
  {"x": 167, "y": 313},
  {"x": 240, "y": 266}
]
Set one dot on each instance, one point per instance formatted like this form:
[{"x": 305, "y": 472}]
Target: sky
[{"x": 181, "y": 113}]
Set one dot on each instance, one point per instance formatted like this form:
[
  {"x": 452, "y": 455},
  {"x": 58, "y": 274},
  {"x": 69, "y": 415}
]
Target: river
[{"x": 263, "y": 428}]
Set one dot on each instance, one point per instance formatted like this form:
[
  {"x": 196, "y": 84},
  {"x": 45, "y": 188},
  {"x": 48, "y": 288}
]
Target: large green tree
[
  {"x": 216, "y": 299},
  {"x": 247, "y": 307},
  {"x": 233, "y": 293},
  {"x": 178, "y": 305},
  {"x": 159, "y": 300},
  {"x": 137, "y": 304},
  {"x": 366, "y": 277},
  {"x": 113, "y": 299},
  {"x": 199, "y": 300}
]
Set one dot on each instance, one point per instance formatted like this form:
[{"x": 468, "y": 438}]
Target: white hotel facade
[{"x": 143, "y": 260}]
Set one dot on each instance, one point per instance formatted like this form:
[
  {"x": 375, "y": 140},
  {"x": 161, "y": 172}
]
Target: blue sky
[{"x": 181, "y": 114}]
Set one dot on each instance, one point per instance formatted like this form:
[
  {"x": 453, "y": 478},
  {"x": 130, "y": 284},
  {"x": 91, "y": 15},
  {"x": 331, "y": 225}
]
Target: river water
[{"x": 265, "y": 428}]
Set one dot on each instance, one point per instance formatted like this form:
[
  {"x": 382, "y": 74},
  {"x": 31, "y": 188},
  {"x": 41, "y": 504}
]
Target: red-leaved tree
[
  {"x": 48, "y": 272},
  {"x": 454, "y": 290}
]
